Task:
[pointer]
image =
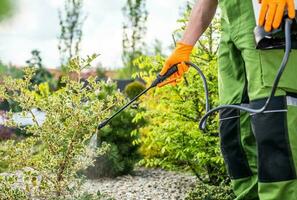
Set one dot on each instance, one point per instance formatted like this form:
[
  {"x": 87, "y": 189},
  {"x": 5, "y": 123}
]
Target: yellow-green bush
[
  {"x": 171, "y": 138},
  {"x": 133, "y": 89},
  {"x": 58, "y": 147}
]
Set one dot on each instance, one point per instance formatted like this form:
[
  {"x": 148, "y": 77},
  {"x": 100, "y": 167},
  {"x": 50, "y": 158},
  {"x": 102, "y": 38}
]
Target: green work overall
[{"x": 260, "y": 150}]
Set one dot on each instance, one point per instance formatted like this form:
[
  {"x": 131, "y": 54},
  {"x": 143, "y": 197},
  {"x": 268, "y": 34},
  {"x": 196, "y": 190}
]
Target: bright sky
[{"x": 35, "y": 25}]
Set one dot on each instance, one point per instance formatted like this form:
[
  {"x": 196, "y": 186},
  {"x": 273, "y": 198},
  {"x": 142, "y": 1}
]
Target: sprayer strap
[
  {"x": 271, "y": 111},
  {"x": 227, "y": 118}
]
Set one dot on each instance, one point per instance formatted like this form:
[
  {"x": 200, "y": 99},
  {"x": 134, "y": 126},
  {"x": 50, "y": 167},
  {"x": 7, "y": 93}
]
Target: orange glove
[
  {"x": 180, "y": 55},
  {"x": 272, "y": 12}
]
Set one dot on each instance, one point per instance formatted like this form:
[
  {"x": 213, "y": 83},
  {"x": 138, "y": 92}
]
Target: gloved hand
[
  {"x": 180, "y": 55},
  {"x": 272, "y": 12}
]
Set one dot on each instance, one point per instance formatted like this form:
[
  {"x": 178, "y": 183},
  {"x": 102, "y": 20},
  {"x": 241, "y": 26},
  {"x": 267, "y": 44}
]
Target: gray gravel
[{"x": 144, "y": 184}]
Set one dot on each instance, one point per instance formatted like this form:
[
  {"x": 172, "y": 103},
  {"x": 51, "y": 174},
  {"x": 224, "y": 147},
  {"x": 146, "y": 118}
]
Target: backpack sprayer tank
[{"x": 276, "y": 38}]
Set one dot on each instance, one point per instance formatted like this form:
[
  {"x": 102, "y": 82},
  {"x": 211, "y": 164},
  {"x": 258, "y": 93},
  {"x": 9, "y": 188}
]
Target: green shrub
[
  {"x": 58, "y": 147},
  {"x": 123, "y": 136},
  {"x": 210, "y": 192},
  {"x": 133, "y": 89},
  {"x": 171, "y": 139}
]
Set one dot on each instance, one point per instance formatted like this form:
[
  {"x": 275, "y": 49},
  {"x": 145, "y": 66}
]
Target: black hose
[
  {"x": 205, "y": 86},
  {"x": 288, "y": 46}
]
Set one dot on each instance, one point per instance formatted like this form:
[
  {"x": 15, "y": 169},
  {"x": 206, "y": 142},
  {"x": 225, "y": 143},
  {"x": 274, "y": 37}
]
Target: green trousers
[{"x": 260, "y": 150}]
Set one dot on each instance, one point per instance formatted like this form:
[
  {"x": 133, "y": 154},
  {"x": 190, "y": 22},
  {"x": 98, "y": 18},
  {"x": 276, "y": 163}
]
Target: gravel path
[{"x": 145, "y": 184}]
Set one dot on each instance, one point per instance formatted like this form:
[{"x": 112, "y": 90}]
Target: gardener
[{"x": 245, "y": 77}]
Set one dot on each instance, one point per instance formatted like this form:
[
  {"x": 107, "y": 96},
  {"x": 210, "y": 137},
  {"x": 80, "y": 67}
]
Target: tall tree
[
  {"x": 134, "y": 30},
  {"x": 71, "y": 23}
]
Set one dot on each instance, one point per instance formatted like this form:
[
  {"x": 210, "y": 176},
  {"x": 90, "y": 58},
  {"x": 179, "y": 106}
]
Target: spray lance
[{"x": 157, "y": 81}]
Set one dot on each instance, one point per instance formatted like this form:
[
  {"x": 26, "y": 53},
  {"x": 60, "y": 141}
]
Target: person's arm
[{"x": 200, "y": 18}]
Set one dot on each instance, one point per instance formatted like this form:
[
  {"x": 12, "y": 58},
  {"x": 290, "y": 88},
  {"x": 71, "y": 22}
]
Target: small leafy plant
[{"x": 58, "y": 147}]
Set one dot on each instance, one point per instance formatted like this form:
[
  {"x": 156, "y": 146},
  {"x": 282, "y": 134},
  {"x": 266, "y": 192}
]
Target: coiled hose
[{"x": 288, "y": 46}]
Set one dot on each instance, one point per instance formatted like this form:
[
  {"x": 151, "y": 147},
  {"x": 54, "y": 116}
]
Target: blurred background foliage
[{"x": 6, "y": 9}]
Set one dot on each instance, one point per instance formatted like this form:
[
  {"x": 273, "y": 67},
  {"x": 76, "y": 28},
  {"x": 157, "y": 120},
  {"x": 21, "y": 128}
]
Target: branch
[
  {"x": 203, "y": 59},
  {"x": 189, "y": 163},
  {"x": 186, "y": 116},
  {"x": 203, "y": 46},
  {"x": 34, "y": 118}
]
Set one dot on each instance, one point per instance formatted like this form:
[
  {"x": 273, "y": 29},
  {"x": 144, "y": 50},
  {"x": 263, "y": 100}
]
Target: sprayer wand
[{"x": 157, "y": 81}]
